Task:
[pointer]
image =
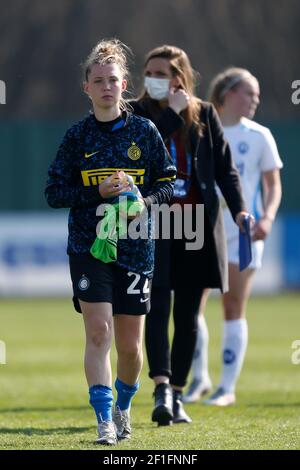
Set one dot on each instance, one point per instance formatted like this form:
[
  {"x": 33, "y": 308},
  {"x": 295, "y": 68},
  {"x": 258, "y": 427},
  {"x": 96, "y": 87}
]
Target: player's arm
[
  {"x": 270, "y": 168},
  {"x": 64, "y": 186},
  {"x": 227, "y": 176},
  {"x": 272, "y": 196}
]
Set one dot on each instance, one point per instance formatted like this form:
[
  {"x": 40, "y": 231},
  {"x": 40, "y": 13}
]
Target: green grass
[{"x": 43, "y": 394}]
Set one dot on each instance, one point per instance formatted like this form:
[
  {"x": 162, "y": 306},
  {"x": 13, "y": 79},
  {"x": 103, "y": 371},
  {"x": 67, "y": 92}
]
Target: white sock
[
  {"x": 200, "y": 359},
  {"x": 235, "y": 340}
]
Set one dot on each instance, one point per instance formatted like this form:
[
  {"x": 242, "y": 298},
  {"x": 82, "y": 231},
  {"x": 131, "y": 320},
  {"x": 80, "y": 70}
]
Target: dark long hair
[{"x": 181, "y": 68}]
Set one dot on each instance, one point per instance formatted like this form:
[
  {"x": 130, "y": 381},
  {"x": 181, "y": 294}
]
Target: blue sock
[
  {"x": 125, "y": 394},
  {"x": 101, "y": 399}
]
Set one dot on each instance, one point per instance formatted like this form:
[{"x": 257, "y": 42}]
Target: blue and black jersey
[{"x": 88, "y": 154}]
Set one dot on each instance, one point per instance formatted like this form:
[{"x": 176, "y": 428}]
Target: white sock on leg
[
  {"x": 200, "y": 360},
  {"x": 235, "y": 340}
]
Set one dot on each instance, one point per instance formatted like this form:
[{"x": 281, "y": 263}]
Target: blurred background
[{"x": 41, "y": 48}]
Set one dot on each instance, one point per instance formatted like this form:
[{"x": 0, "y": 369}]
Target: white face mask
[{"x": 157, "y": 88}]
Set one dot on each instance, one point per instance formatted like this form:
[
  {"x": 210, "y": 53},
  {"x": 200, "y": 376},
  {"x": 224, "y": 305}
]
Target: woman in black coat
[{"x": 194, "y": 136}]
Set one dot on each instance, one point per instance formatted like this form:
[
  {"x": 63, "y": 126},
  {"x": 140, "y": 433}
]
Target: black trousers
[
  {"x": 187, "y": 273},
  {"x": 175, "y": 365}
]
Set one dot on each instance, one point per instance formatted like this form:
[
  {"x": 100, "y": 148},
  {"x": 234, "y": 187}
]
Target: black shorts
[{"x": 95, "y": 281}]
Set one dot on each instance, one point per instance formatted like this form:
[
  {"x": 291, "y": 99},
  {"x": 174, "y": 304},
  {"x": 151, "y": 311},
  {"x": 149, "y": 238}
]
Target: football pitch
[{"x": 44, "y": 399}]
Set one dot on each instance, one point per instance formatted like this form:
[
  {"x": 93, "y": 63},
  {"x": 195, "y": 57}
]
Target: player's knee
[
  {"x": 101, "y": 334},
  {"x": 132, "y": 352},
  {"x": 232, "y": 307}
]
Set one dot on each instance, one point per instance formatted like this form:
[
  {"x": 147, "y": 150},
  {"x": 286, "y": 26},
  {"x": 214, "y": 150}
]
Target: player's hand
[
  {"x": 114, "y": 185},
  {"x": 132, "y": 213},
  {"x": 262, "y": 228},
  {"x": 138, "y": 212},
  {"x": 239, "y": 220},
  {"x": 178, "y": 99}
]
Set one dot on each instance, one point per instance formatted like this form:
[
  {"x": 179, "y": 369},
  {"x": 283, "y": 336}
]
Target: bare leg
[
  {"x": 235, "y": 300},
  {"x": 129, "y": 337},
  {"x": 98, "y": 328}
]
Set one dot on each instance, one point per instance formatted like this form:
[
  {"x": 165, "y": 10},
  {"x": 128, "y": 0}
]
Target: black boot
[
  {"x": 179, "y": 415},
  {"x": 162, "y": 413}
]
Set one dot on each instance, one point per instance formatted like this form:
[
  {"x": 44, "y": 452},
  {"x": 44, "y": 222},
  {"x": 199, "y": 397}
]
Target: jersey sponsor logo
[
  {"x": 243, "y": 147},
  {"x": 144, "y": 300},
  {"x": 134, "y": 152},
  {"x": 228, "y": 356},
  {"x": 88, "y": 155},
  {"x": 97, "y": 176}
]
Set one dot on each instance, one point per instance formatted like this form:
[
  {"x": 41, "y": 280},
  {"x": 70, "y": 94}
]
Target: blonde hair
[
  {"x": 227, "y": 80},
  {"x": 109, "y": 51},
  {"x": 182, "y": 69}
]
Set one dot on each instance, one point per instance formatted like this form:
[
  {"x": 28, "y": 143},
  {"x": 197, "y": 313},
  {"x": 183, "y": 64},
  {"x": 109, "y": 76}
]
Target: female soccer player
[
  {"x": 194, "y": 137},
  {"x": 87, "y": 172},
  {"x": 235, "y": 93}
]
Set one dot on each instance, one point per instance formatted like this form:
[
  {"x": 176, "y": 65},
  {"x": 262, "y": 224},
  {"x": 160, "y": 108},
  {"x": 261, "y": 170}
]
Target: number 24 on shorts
[{"x": 132, "y": 288}]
